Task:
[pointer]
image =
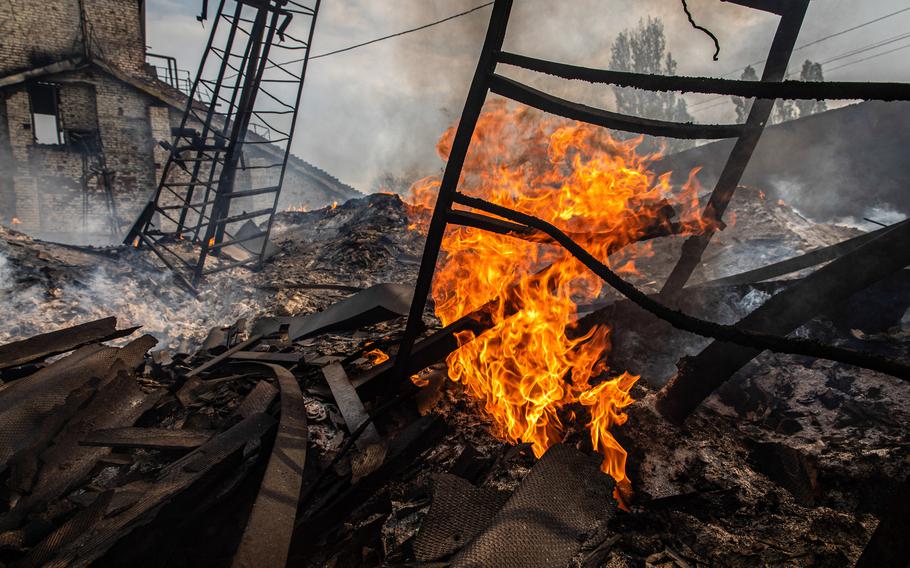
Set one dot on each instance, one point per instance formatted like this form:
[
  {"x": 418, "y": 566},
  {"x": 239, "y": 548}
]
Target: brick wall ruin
[{"x": 108, "y": 117}]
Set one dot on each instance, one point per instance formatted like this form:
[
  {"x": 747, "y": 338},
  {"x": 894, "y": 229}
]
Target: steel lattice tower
[{"x": 246, "y": 93}]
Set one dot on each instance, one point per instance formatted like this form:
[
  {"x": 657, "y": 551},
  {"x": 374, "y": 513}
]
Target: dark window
[{"x": 45, "y": 114}]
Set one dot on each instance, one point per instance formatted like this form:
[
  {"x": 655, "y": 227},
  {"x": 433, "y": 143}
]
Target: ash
[{"x": 789, "y": 464}]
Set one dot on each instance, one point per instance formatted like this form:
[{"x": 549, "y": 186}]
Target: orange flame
[
  {"x": 16, "y": 221},
  {"x": 377, "y": 356},
  {"x": 419, "y": 381},
  {"x": 532, "y": 363},
  {"x": 334, "y": 204}
]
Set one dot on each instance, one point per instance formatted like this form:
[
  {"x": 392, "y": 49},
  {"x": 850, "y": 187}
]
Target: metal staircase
[{"x": 220, "y": 185}]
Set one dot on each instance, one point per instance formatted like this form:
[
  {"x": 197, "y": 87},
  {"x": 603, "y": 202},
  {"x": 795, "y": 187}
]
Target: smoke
[
  {"x": 381, "y": 109},
  {"x": 140, "y": 296}
]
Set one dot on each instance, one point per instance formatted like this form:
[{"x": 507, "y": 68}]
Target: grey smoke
[{"x": 381, "y": 109}]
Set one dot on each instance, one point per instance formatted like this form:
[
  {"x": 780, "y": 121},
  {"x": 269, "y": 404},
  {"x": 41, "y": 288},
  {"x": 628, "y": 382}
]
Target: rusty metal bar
[{"x": 746, "y": 337}]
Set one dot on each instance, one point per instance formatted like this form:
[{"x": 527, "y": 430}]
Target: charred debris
[
  {"x": 282, "y": 439},
  {"x": 707, "y": 392}
]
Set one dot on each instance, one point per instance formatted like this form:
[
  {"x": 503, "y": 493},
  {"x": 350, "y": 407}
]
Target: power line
[
  {"x": 844, "y": 55},
  {"x": 848, "y": 64},
  {"x": 827, "y": 37},
  {"x": 401, "y": 33},
  {"x": 870, "y": 57}
]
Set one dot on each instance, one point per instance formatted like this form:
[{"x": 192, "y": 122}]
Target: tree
[
  {"x": 742, "y": 105},
  {"x": 811, "y": 72},
  {"x": 784, "y": 109},
  {"x": 644, "y": 50}
]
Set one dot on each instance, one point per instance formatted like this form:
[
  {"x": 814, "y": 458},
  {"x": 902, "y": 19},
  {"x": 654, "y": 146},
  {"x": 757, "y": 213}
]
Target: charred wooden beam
[
  {"x": 175, "y": 479},
  {"x": 889, "y": 545},
  {"x": 147, "y": 438},
  {"x": 267, "y": 537},
  {"x": 349, "y": 404},
  {"x": 808, "y": 260},
  {"x": 700, "y": 375},
  {"x": 830, "y": 90},
  {"x": 745, "y": 337},
  {"x": 576, "y": 111},
  {"x": 214, "y": 361}
]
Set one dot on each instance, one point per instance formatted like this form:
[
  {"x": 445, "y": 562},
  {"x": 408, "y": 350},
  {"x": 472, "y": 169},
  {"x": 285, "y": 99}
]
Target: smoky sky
[{"x": 380, "y": 109}]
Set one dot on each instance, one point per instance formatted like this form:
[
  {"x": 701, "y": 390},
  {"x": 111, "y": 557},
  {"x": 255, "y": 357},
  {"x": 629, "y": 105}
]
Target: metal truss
[{"x": 245, "y": 97}]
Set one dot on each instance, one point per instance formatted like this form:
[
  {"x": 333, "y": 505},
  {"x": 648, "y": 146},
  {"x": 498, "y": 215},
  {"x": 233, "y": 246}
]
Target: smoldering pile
[{"x": 789, "y": 464}]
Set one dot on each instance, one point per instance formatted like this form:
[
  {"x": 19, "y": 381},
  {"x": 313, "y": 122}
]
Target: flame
[
  {"x": 533, "y": 363},
  {"x": 377, "y": 356},
  {"x": 16, "y": 221},
  {"x": 211, "y": 242},
  {"x": 334, "y": 204}
]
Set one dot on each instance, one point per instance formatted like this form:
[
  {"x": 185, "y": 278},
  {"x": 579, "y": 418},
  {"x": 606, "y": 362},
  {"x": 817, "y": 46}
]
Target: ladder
[{"x": 219, "y": 188}]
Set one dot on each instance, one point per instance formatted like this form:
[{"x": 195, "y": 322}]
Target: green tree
[{"x": 644, "y": 50}]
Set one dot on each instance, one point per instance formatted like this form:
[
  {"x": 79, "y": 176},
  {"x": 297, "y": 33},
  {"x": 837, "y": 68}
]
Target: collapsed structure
[
  {"x": 81, "y": 118},
  {"x": 769, "y": 426}
]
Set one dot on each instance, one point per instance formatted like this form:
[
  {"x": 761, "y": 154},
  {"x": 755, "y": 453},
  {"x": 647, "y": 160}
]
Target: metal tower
[{"x": 213, "y": 198}]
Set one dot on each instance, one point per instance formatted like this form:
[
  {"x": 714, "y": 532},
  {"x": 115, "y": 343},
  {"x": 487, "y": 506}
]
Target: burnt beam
[
  {"x": 700, "y": 375},
  {"x": 576, "y": 111},
  {"x": 824, "y": 90}
]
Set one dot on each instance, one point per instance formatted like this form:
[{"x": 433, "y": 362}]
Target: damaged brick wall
[
  {"x": 106, "y": 118},
  {"x": 40, "y": 33},
  {"x": 59, "y": 189}
]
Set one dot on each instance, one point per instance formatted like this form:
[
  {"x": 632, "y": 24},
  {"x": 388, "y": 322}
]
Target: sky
[{"x": 381, "y": 109}]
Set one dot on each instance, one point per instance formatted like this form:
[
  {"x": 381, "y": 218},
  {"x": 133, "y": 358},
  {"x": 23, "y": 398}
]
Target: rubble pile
[{"x": 258, "y": 431}]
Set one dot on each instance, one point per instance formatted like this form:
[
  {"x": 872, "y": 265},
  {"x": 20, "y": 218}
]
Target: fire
[
  {"x": 377, "y": 356},
  {"x": 533, "y": 363},
  {"x": 334, "y": 204},
  {"x": 16, "y": 221}
]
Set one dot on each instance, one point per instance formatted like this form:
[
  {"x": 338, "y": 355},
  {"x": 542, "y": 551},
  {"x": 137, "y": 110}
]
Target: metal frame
[
  {"x": 486, "y": 80},
  {"x": 257, "y": 50}
]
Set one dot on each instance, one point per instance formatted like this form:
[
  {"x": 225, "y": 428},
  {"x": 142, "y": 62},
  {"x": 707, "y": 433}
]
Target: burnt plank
[
  {"x": 267, "y": 537},
  {"x": 148, "y": 438},
  {"x": 173, "y": 480},
  {"x": 215, "y": 361},
  {"x": 267, "y": 356},
  {"x": 349, "y": 404},
  {"x": 60, "y": 341}
]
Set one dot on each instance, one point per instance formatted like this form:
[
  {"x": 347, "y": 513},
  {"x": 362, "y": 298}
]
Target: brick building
[{"x": 81, "y": 114}]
